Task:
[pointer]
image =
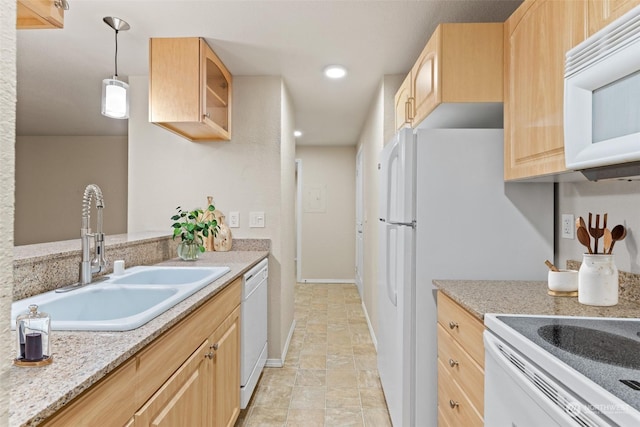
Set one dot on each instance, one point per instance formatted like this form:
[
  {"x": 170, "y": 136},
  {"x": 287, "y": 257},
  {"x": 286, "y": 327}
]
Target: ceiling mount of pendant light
[{"x": 115, "y": 93}]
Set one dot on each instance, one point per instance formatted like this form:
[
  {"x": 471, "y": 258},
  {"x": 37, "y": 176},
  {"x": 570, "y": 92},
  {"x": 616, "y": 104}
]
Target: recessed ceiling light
[
  {"x": 297, "y": 133},
  {"x": 335, "y": 71}
]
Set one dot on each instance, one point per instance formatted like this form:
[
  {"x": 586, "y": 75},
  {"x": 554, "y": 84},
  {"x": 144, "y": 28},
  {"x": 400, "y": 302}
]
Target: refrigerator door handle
[
  {"x": 389, "y": 161},
  {"x": 392, "y": 294},
  {"x": 411, "y": 224}
]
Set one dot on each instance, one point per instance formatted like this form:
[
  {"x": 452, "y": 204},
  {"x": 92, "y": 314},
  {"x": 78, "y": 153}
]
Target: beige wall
[
  {"x": 378, "y": 127},
  {"x": 7, "y": 154},
  {"x": 245, "y": 174},
  {"x": 328, "y": 224},
  {"x": 51, "y": 175},
  {"x": 620, "y": 199}
]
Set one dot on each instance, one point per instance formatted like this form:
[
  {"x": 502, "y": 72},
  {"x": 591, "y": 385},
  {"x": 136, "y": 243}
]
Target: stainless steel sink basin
[{"x": 123, "y": 302}]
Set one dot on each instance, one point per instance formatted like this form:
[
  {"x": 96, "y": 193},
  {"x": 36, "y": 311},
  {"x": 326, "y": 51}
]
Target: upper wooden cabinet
[
  {"x": 536, "y": 37},
  {"x": 189, "y": 89},
  {"x": 602, "y": 12},
  {"x": 461, "y": 63},
  {"x": 39, "y": 14}
]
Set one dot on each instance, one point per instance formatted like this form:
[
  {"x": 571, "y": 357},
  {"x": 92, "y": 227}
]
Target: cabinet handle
[
  {"x": 453, "y": 325},
  {"x": 407, "y": 113},
  {"x": 453, "y": 363},
  {"x": 453, "y": 404},
  {"x": 209, "y": 355},
  {"x": 214, "y": 346},
  {"x": 411, "y": 100},
  {"x": 207, "y": 115}
]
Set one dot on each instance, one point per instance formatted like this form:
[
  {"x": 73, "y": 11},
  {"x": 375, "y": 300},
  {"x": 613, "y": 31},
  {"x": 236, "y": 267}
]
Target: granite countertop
[
  {"x": 82, "y": 358},
  {"x": 525, "y": 297}
]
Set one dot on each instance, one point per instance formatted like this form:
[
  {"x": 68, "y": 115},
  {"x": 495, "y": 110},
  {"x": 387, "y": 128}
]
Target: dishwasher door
[
  {"x": 519, "y": 394},
  {"x": 253, "y": 329}
]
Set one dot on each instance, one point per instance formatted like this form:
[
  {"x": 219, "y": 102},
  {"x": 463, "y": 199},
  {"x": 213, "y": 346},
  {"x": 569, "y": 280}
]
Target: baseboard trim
[
  {"x": 319, "y": 281},
  {"x": 279, "y": 363},
  {"x": 373, "y": 335}
]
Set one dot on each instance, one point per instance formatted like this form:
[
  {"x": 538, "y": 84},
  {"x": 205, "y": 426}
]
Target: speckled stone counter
[
  {"x": 84, "y": 357},
  {"x": 523, "y": 297}
]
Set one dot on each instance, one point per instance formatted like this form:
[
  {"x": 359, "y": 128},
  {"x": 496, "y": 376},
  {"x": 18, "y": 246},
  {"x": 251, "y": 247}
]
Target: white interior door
[{"x": 359, "y": 222}]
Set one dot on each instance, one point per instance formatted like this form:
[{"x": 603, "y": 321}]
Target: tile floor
[{"x": 329, "y": 377}]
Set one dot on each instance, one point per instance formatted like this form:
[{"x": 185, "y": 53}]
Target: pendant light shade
[
  {"x": 115, "y": 93},
  {"x": 115, "y": 98}
]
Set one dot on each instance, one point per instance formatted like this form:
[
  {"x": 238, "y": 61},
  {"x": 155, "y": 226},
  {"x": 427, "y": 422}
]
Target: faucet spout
[{"x": 89, "y": 266}]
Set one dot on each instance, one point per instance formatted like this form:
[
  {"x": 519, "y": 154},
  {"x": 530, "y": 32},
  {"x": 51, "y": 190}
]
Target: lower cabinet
[
  {"x": 225, "y": 352},
  {"x": 182, "y": 400},
  {"x": 189, "y": 376},
  {"x": 460, "y": 366}
]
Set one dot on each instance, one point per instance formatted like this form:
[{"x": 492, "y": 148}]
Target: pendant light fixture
[{"x": 115, "y": 93}]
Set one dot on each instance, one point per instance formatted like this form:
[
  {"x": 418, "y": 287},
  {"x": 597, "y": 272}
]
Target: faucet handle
[{"x": 99, "y": 260}]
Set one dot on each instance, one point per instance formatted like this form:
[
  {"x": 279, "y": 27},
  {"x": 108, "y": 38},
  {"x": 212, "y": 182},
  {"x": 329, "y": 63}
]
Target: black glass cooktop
[{"x": 607, "y": 351}]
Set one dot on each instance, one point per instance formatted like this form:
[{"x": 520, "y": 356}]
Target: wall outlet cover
[{"x": 567, "y": 230}]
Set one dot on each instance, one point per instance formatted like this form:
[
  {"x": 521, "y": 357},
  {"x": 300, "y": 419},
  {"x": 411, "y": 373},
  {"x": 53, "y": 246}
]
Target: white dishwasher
[{"x": 253, "y": 329}]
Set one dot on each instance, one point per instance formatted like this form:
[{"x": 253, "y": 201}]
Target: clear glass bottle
[{"x": 33, "y": 333}]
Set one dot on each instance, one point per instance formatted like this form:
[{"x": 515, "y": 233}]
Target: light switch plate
[
  {"x": 234, "y": 219},
  {"x": 256, "y": 219}
]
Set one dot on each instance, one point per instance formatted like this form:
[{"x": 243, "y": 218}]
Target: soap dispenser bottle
[{"x": 33, "y": 347}]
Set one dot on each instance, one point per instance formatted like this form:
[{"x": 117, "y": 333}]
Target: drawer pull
[
  {"x": 453, "y": 404},
  {"x": 209, "y": 355},
  {"x": 453, "y": 325},
  {"x": 214, "y": 346},
  {"x": 453, "y": 363}
]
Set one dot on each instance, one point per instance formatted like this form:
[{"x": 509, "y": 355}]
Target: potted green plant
[{"x": 192, "y": 227}]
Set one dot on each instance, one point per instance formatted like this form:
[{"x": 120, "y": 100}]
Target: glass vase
[
  {"x": 598, "y": 280},
  {"x": 188, "y": 251}
]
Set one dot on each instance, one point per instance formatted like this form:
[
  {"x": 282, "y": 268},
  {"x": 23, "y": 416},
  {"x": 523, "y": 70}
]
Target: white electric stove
[{"x": 561, "y": 371}]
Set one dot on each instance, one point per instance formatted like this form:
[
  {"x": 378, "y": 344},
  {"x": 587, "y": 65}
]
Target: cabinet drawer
[
  {"x": 453, "y": 404},
  {"x": 108, "y": 403},
  {"x": 462, "y": 368},
  {"x": 463, "y": 327}
]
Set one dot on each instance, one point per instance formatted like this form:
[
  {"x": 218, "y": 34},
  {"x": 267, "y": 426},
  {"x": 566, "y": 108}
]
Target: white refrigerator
[{"x": 446, "y": 213}]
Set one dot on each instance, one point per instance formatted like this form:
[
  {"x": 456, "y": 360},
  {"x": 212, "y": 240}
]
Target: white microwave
[{"x": 602, "y": 100}]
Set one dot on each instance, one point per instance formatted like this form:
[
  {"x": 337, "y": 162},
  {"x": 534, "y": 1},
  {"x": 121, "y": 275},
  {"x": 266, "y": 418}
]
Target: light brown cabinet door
[
  {"x": 216, "y": 95},
  {"x": 425, "y": 75},
  {"x": 182, "y": 400},
  {"x": 403, "y": 104},
  {"x": 537, "y": 36},
  {"x": 603, "y": 12},
  {"x": 225, "y": 373}
]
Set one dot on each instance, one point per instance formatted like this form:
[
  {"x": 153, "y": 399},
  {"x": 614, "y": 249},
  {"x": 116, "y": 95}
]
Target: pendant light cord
[{"x": 116, "y": 55}]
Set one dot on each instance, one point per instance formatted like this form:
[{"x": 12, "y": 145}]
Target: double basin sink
[{"x": 123, "y": 302}]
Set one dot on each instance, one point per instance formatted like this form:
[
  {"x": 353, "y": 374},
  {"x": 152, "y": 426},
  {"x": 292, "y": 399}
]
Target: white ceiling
[{"x": 60, "y": 71}]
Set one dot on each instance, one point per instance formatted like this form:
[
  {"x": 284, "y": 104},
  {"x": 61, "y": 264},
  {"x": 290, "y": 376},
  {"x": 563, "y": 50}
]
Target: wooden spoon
[
  {"x": 608, "y": 241},
  {"x": 583, "y": 237},
  {"x": 619, "y": 232},
  {"x": 551, "y": 266},
  {"x": 580, "y": 223}
]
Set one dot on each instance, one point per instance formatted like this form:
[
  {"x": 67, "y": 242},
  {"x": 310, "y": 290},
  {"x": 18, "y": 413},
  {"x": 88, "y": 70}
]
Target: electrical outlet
[{"x": 568, "y": 226}]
